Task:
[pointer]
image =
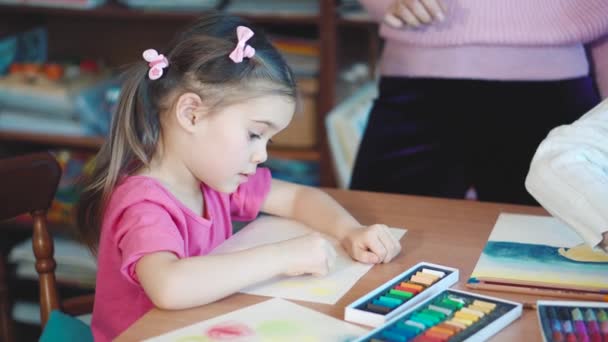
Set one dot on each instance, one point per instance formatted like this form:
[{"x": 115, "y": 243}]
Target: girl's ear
[{"x": 189, "y": 110}]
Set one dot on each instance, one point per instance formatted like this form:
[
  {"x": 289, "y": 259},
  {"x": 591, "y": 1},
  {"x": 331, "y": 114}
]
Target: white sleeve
[{"x": 569, "y": 174}]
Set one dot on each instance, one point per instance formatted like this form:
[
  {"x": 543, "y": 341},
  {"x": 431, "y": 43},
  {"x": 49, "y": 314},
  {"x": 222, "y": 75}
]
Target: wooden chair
[{"x": 28, "y": 185}]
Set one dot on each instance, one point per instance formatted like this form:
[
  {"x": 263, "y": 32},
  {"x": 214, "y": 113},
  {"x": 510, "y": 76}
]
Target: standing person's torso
[{"x": 495, "y": 39}]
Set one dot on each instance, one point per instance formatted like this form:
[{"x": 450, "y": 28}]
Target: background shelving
[{"x": 117, "y": 33}]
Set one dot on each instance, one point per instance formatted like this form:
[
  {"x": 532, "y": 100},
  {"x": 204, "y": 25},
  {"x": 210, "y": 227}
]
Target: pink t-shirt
[{"x": 143, "y": 217}]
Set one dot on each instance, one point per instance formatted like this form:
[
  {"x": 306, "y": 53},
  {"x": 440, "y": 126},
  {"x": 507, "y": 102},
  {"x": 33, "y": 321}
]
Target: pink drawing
[{"x": 229, "y": 331}]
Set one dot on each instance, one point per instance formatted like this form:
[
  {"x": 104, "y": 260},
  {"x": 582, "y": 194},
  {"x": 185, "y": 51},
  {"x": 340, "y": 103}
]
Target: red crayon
[{"x": 592, "y": 327}]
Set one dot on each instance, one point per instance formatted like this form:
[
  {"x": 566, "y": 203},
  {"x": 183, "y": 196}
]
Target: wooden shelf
[
  {"x": 78, "y": 142},
  {"x": 83, "y": 26},
  {"x": 93, "y": 143},
  {"x": 294, "y": 153},
  {"x": 117, "y": 11}
]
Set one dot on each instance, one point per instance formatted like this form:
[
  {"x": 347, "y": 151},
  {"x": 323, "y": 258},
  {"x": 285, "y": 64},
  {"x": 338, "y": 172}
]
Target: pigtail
[{"x": 125, "y": 149}]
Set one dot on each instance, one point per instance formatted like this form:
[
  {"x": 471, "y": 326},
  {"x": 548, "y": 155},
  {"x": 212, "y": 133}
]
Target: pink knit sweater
[{"x": 501, "y": 40}]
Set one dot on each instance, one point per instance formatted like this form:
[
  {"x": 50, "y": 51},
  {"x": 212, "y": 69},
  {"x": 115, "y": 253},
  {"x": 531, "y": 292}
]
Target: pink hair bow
[
  {"x": 242, "y": 49},
  {"x": 156, "y": 62}
]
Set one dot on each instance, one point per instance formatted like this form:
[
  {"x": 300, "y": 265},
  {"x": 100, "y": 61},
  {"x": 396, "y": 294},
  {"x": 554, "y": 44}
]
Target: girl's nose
[{"x": 259, "y": 156}]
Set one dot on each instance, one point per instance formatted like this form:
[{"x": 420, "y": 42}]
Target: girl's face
[{"x": 230, "y": 143}]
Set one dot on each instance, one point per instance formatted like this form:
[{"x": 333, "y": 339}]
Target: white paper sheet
[
  {"x": 328, "y": 289},
  {"x": 272, "y": 320}
]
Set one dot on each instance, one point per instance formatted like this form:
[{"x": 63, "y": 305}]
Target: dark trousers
[{"x": 438, "y": 137}]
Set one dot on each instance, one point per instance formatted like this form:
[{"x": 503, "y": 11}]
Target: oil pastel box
[
  {"x": 400, "y": 293},
  {"x": 573, "y": 320},
  {"x": 450, "y": 315}
]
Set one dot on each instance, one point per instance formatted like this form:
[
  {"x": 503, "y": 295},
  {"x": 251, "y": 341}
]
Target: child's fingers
[
  {"x": 387, "y": 243},
  {"x": 367, "y": 257},
  {"x": 331, "y": 257},
  {"x": 375, "y": 245},
  {"x": 392, "y": 245},
  {"x": 330, "y": 260}
]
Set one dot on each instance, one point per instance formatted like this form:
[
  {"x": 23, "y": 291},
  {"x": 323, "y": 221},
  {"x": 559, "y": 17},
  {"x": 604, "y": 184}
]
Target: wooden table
[{"x": 446, "y": 232}]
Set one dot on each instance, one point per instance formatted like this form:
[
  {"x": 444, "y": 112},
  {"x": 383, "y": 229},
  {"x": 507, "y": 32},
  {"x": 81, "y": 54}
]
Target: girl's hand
[
  {"x": 371, "y": 245},
  {"x": 414, "y": 13},
  {"x": 308, "y": 254}
]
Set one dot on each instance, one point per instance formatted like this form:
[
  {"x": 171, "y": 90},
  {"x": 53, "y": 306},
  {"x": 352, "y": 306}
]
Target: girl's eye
[{"x": 254, "y": 136}]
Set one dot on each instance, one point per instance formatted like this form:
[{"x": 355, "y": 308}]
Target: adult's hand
[{"x": 415, "y": 13}]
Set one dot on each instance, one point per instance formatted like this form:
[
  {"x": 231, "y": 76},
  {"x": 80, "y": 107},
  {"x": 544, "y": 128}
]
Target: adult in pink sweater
[{"x": 469, "y": 88}]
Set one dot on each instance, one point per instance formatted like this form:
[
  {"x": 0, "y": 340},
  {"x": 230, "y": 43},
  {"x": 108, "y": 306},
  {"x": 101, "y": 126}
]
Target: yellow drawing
[{"x": 584, "y": 253}]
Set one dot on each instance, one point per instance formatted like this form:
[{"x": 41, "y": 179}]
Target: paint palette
[
  {"x": 449, "y": 316},
  {"x": 573, "y": 321},
  {"x": 400, "y": 293}
]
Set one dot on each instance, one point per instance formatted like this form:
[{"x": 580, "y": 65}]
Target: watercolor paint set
[
  {"x": 409, "y": 288},
  {"x": 573, "y": 321},
  {"x": 450, "y": 315}
]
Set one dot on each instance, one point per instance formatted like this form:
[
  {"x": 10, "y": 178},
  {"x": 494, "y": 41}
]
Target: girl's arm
[
  {"x": 172, "y": 283},
  {"x": 319, "y": 211}
]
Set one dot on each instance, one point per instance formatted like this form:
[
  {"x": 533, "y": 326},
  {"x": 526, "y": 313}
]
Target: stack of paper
[{"x": 75, "y": 264}]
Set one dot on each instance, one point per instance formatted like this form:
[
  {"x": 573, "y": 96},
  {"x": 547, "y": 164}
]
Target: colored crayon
[
  {"x": 579, "y": 325},
  {"x": 380, "y": 309},
  {"x": 602, "y": 317},
  {"x": 567, "y": 325},
  {"x": 439, "y": 274},
  {"x": 556, "y": 326},
  {"x": 484, "y": 304},
  {"x": 592, "y": 327},
  {"x": 401, "y": 293},
  {"x": 449, "y": 315},
  {"x": 406, "y": 289}
]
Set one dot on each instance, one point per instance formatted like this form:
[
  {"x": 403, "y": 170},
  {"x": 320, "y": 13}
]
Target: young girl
[{"x": 180, "y": 164}]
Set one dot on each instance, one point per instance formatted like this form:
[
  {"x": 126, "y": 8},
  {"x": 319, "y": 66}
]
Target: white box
[
  {"x": 505, "y": 313},
  {"x": 354, "y": 313}
]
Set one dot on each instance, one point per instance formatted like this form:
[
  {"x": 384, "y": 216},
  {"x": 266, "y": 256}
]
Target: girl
[{"x": 180, "y": 164}]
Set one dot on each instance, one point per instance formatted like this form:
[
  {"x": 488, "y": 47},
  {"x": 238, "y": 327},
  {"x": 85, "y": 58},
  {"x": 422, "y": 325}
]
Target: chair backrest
[{"x": 28, "y": 184}]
